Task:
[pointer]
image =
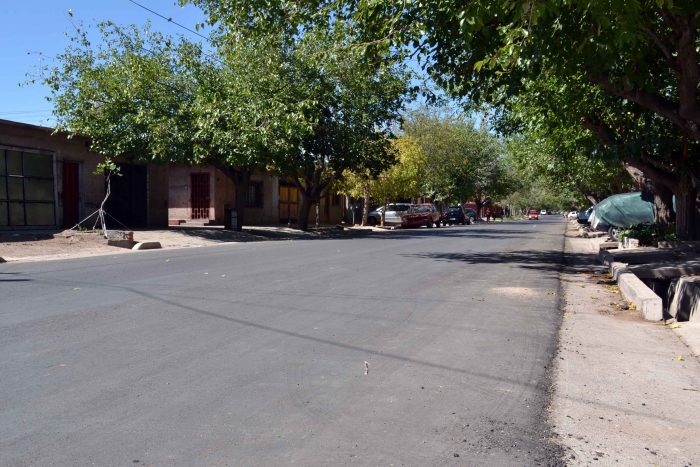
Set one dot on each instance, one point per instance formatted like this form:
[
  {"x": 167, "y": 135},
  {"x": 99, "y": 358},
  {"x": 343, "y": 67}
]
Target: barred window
[
  {"x": 26, "y": 189},
  {"x": 255, "y": 195}
]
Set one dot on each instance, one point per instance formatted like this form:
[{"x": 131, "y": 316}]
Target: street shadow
[
  {"x": 15, "y": 237},
  {"x": 12, "y": 279},
  {"x": 549, "y": 261}
]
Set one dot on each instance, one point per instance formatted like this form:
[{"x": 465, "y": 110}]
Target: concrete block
[
  {"x": 147, "y": 246},
  {"x": 685, "y": 305},
  {"x": 120, "y": 235},
  {"x": 617, "y": 268},
  {"x": 666, "y": 270},
  {"x": 606, "y": 257},
  {"x": 644, "y": 255},
  {"x": 121, "y": 243},
  {"x": 646, "y": 301},
  {"x": 608, "y": 246},
  {"x": 693, "y": 246}
]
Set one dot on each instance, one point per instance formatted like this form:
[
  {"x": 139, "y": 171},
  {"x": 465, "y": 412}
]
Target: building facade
[{"x": 48, "y": 181}]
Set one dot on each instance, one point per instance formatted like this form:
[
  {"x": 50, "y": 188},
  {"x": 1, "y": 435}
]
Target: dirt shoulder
[
  {"x": 22, "y": 246},
  {"x": 627, "y": 391}
]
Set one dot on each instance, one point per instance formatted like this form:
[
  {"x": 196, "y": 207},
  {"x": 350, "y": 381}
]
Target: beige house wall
[
  {"x": 222, "y": 196},
  {"x": 60, "y": 147}
]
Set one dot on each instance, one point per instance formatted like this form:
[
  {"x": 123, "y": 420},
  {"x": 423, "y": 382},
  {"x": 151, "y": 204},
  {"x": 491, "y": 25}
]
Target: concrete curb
[
  {"x": 689, "y": 333},
  {"x": 605, "y": 257},
  {"x": 646, "y": 301},
  {"x": 147, "y": 246},
  {"x": 617, "y": 268}
]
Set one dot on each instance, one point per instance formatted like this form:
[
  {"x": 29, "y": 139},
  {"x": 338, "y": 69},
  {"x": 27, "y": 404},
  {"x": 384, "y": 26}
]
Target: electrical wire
[{"x": 169, "y": 20}]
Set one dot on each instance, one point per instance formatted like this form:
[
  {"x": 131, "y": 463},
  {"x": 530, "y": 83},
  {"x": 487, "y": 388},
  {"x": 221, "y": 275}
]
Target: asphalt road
[{"x": 254, "y": 354}]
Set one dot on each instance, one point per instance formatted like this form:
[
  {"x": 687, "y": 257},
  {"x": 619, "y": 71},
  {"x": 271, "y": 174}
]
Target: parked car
[
  {"x": 455, "y": 215},
  {"x": 533, "y": 215},
  {"x": 584, "y": 215},
  {"x": 543, "y": 212},
  {"x": 393, "y": 214},
  {"x": 572, "y": 215},
  {"x": 471, "y": 214},
  {"x": 421, "y": 214},
  {"x": 621, "y": 211}
]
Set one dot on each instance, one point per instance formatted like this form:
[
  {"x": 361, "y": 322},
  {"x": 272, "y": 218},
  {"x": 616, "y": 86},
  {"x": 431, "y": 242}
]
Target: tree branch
[
  {"x": 670, "y": 59},
  {"x": 654, "y": 102}
]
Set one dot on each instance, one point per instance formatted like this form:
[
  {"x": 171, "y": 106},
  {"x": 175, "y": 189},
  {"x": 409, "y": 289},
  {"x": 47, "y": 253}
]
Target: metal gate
[
  {"x": 289, "y": 203},
  {"x": 71, "y": 193},
  {"x": 200, "y": 195}
]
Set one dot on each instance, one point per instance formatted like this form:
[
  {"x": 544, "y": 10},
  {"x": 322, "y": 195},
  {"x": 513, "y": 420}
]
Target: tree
[
  {"x": 140, "y": 94},
  {"x": 461, "y": 163},
  {"x": 638, "y": 52},
  {"x": 354, "y": 105},
  {"x": 398, "y": 182}
]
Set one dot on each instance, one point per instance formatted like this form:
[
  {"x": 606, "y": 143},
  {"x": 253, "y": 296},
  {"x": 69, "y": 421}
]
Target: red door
[
  {"x": 199, "y": 195},
  {"x": 71, "y": 193}
]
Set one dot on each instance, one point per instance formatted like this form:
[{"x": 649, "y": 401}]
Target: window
[
  {"x": 26, "y": 189},
  {"x": 255, "y": 195}
]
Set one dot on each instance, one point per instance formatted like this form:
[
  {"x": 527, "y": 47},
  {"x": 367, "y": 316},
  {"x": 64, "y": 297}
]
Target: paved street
[{"x": 254, "y": 354}]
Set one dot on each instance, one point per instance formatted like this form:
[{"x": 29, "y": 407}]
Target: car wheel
[
  {"x": 372, "y": 221},
  {"x": 614, "y": 232},
  {"x": 437, "y": 224}
]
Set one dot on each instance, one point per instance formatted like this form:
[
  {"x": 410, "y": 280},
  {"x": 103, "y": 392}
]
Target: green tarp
[{"x": 625, "y": 209}]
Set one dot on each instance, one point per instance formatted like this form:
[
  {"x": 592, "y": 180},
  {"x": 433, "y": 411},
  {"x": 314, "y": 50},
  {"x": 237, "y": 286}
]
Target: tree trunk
[
  {"x": 365, "y": 207},
  {"x": 304, "y": 210},
  {"x": 384, "y": 213},
  {"x": 241, "y": 182},
  {"x": 687, "y": 213},
  {"x": 663, "y": 206}
]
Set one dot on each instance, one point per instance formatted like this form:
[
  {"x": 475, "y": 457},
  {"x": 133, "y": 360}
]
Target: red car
[
  {"x": 421, "y": 214},
  {"x": 533, "y": 215}
]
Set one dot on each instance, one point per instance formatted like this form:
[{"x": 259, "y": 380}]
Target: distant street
[{"x": 419, "y": 347}]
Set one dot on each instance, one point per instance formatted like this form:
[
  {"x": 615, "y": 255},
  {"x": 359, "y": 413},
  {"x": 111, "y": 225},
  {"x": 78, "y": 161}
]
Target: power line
[
  {"x": 25, "y": 112},
  {"x": 169, "y": 20}
]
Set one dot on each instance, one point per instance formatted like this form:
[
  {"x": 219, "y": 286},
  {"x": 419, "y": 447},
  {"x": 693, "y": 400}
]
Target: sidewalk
[{"x": 627, "y": 391}]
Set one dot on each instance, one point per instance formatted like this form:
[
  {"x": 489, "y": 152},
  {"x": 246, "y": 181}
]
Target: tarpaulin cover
[{"x": 625, "y": 209}]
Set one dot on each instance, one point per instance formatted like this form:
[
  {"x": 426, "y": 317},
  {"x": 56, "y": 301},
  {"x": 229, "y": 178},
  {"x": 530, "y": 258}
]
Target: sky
[{"x": 36, "y": 29}]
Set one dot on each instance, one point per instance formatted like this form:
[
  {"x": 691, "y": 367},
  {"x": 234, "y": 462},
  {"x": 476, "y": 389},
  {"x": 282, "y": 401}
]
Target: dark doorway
[
  {"x": 128, "y": 202},
  {"x": 71, "y": 194},
  {"x": 199, "y": 195}
]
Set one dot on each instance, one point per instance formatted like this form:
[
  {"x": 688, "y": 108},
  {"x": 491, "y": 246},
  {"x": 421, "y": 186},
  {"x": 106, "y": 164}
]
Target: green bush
[{"x": 648, "y": 234}]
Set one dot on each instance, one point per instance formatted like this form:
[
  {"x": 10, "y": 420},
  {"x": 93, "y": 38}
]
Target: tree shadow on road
[{"x": 550, "y": 261}]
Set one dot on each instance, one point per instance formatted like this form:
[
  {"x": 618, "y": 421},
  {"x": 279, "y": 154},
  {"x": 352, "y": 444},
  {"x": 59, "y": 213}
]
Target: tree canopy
[
  {"x": 307, "y": 109},
  {"x": 639, "y": 56}
]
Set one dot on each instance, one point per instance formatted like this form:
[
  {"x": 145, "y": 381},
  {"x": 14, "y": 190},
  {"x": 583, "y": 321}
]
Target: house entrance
[
  {"x": 128, "y": 202},
  {"x": 71, "y": 194},
  {"x": 289, "y": 203},
  {"x": 199, "y": 195}
]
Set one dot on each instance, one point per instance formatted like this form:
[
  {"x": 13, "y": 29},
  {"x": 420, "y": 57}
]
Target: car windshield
[
  {"x": 533, "y": 211},
  {"x": 453, "y": 209},
  {"x": 397, "y": 207}
]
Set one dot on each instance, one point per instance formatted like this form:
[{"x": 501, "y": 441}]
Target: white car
[
  {"x": 394, "y": 211},
  {"x": 543, "y": 212},
  {"x": 573, "y": 215}
]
